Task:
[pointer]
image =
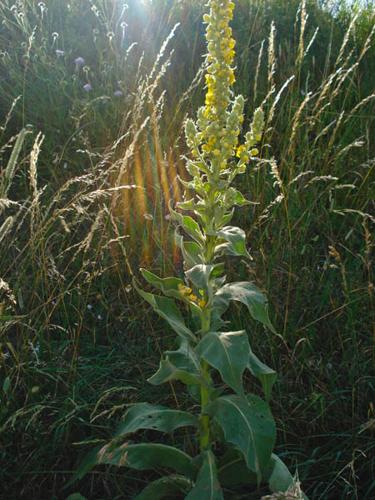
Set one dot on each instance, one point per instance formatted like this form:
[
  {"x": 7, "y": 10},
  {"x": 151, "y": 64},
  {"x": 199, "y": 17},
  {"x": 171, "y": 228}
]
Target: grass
[{"x": 76, "y": 343}]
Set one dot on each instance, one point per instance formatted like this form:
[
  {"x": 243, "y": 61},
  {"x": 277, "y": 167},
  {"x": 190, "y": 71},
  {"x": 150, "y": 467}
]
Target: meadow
[{"x": 93, "y": 99}]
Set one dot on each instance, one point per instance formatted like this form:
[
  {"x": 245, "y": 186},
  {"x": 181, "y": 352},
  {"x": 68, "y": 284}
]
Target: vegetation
[{"x": 93, "y": 101}]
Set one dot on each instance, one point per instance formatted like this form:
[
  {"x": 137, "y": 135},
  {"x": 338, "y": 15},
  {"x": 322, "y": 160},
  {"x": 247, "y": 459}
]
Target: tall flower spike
[
  {"x": 215, "y": 137},
  {"x": 248, "y": 430}
]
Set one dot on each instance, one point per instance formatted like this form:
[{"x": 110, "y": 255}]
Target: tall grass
[{"x": 85, "y": 179}]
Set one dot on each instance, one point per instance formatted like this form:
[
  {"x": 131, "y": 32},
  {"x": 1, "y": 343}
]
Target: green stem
[{"x": 205, "y": 440}]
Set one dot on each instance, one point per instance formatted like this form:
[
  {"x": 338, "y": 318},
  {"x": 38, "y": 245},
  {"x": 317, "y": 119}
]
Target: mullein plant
[{"x": 235, "y": 431}]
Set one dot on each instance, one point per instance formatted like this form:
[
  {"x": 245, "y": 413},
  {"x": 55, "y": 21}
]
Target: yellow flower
[
  {"x": 232, "y": 78},
  {"x": 184, "y": 290},
  {"x": 240, "y": 150}
]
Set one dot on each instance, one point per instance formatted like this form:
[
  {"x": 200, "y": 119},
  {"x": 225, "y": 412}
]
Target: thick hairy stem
[{"x": 205, "y": 440}]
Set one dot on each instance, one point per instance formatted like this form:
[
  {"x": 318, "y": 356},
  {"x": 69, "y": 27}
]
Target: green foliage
[
  {"x": 169, "y": 486},
  {"x": 248, "y": 425},
  {"x": 207, "y": 484},
  {"x": 145, "y": 416},
  {"x": 245, "y": 419},
  {"x": 76, "y": 344},
  {"x": 227, "y": 352},
  {"x": 143, "y": 456}
]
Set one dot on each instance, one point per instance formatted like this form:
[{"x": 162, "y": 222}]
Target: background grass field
[{"x": 90, "y": 154}]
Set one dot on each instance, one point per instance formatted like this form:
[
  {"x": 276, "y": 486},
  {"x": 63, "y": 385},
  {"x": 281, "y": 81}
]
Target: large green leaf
[
  {"x": 191, "y": 251},
  {"x": 188, "y": 205},
  {"x": 234, "y": 197},
  {"x": 280, "y": 479},
  {"x": 249, "y": 295},
  {"x": 207, "y": 486},
  {"x": 204, "y": 277},
  {"x": 248, "y": 425},
  {"x": 169, "y": 486},
  {"x": 227, "y": 352},
  {"x": 185, "y": 358},
  {"x": 264, "y": 373},
  {"x": 167, "y": 309},
  {"x": 169, "y": 286},
  {"x": 143, "y": 456},
  {"x": 168, "y": 371},
  {"x": 190, "y": 226},
  {"x": 200, "y": 275},
  {"x": 158, "y": 418},
  {"x": 235, "y": 238},
  {"x": 233, "y": 470}
]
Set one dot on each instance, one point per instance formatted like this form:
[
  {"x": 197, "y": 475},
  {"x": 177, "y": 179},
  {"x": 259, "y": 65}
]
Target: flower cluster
[
  {"x": 220, "y": 73},
  {"x": 214, "y": 139},
  {"x": 187, "y": 293}
]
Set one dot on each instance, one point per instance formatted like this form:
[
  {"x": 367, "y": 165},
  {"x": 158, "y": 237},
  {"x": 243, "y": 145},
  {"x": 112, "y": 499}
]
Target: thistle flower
[
  {"x": 87, "y": 87},
  {"x": 118, "y": 93},
  {"x": 79, "y": 61}
]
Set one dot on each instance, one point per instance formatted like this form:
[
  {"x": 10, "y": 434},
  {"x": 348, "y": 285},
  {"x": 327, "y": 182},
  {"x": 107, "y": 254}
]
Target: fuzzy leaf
[
  {"x": 233, "y": 470},
  {"x": 165, "y": 487},
  {"x": 159, "y": 418},
  {"x": 200, "y": 275},
  {"x": 235, "y": 197},
  {"x": 280, "y": 478},
  {"x": 167, "y": 309},
  {"x": 263, "y": 373},
  {"x": 143, "y": 456},
  {"x": 191, "y": 251},
  {"x": 190, "y": 226},
  {"x": 185, "y": 358},
  {"x": 187, "y": 205},
  {"x": 235, "y": 241},
  {"x": 249, "y": 295},
  {"x": 225, "y": 218},
  {"x": 169, "y": 286},
  {"x": 207, "y": 486},
  {"x": 248, "y": 425},
  {"x": 227, "y": 352},
  {"x": 167, "y": 371}
]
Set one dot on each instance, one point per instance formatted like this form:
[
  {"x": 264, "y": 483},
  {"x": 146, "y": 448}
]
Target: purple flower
[
  {"x": 60, "y": 53},
  {"x": 87, "y": 87},
  {"x": 79, "y": 61},
  {"x": 118, "y": 93}
]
